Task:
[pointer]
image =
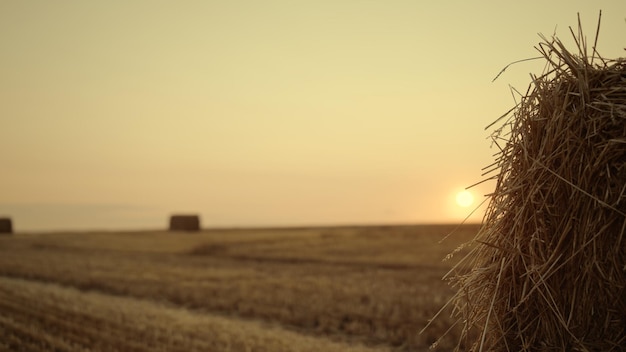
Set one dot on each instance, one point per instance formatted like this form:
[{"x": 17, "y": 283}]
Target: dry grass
[
  {"x": 37, "y": 316},
  {"x": 549, "y": 273},
  {"x": 371, "y": 286}
]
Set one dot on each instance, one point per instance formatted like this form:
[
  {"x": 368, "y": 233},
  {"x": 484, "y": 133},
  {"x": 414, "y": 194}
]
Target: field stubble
[{"x": 369, "y": 288}]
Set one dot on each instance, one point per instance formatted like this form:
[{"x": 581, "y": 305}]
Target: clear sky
[{"x": 115, "y": 114}]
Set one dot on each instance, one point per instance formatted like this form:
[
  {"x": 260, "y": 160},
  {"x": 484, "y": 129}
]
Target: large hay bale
[
  {"x": 184, "y": 223},
  {"x": 6, "y": 226},
  {"x": 548, "y": 270}
]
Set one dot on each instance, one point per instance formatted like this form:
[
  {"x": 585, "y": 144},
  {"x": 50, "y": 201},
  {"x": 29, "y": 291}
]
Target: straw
[{"x": 548, "y": 269}]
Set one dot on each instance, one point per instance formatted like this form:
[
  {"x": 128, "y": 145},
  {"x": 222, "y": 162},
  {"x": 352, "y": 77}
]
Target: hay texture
[
  {"x": 6, "y": 226},
  {"x": 184, "y": 223},
  {"x": 548, "y": 270}
]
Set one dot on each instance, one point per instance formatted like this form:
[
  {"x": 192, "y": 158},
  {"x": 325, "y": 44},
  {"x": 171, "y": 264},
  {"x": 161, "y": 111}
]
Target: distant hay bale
[
  {"x": 184, "y": 223},
  {"x": 548, "y": 272},
  {"x": 6, "y": 226}
]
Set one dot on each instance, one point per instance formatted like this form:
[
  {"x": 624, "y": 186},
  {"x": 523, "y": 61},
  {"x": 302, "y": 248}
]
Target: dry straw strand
[{"x": 548, "y": 268}]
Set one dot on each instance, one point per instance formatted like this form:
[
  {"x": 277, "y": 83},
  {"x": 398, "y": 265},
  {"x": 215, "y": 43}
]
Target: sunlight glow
[{"x": 464, "y": 198}]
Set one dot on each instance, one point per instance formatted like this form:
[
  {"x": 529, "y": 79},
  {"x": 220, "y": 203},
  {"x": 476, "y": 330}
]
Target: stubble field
[{"x": 305, "y": 289}]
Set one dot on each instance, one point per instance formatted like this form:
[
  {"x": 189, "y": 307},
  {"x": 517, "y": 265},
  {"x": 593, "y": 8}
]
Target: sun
[{"x": 464, "y": 198}]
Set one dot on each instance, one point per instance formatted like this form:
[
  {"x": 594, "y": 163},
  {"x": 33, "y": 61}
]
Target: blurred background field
[{"x": 281, "y": 289}]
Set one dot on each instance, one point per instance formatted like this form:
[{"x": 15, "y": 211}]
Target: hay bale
[
  {"x": 6, "y": 226},
  {"x": 184, "y": 223},
  {"x": 548, "y": 270}
]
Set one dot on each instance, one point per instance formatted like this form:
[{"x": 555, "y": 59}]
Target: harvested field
[{"x": 308, "y": 289}]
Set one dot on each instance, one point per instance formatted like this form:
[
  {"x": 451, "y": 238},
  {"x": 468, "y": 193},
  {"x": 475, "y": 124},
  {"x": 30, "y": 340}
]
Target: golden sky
[{"x": 114, "y": 114}]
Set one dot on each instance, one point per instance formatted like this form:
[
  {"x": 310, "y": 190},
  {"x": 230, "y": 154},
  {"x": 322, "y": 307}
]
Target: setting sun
[{"x": 464, "y": 198}]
